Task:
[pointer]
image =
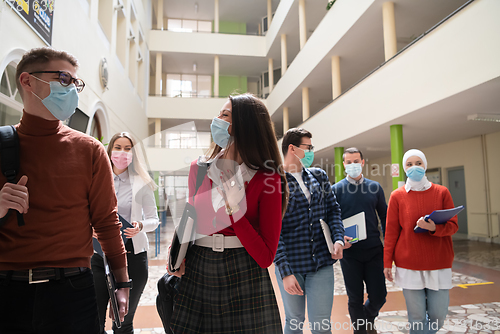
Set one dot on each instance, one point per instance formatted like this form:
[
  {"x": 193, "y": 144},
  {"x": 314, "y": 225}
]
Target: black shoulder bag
[
  {"x": 168, "y": 284},
  {"x": 9, "y": 155}
]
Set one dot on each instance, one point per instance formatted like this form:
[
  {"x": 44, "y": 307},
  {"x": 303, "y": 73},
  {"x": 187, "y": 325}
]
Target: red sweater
[
  {"x": 258, "y": 222},
  {"x": 418, "y": 251},
  {"x": 71, "y": 189}
]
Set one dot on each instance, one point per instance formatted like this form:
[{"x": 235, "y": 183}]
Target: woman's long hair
[
  {"x": 254, "y": 139},
  {"x": 136, "y": 167}
]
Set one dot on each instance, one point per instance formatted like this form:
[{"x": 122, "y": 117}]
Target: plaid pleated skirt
[{"x": 225, "y": 292}]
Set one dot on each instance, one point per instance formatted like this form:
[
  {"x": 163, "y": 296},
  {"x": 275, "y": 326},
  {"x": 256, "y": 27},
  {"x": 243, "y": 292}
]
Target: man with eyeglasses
[
  {"x": 64, "y": 189},
  {"x": 303, "y": 261}
]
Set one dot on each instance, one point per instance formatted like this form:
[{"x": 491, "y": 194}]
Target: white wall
[
  {"x": 466, "y": 153},
  {"x": 207, "y": 43},
  {"x": 76, "y": 30},
  {"x": 164, "y": 159},
  {"x": 185, "y": 108}
]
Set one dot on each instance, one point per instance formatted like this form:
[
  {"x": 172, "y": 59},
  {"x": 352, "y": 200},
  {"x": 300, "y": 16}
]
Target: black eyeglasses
[
  {"x": 310, "y": 148},
  {"x": 66, "y": 79}
]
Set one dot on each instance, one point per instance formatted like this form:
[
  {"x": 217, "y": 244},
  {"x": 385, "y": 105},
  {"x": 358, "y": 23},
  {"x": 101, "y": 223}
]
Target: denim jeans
[
  {"x": 427, "y": 309},
  {"x": 58, "y": 306},
  {"x": 318, "y": 290}
]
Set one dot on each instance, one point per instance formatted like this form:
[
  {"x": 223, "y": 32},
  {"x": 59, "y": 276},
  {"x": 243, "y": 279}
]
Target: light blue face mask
[
  {"x": 353, "y": 170},
  {"x": 220, "y": 135},
  {"x": 62, "y": 101},
  {"x": 415, "y": 173}
]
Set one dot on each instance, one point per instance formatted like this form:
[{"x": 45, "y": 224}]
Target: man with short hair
[
  {"x": 303, "y": 261},
  {"x": 363, "y": 260},
  {"x": 64, "y": 190}
]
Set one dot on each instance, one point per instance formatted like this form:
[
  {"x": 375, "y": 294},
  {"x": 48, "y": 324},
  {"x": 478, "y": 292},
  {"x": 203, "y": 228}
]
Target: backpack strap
[
  {"x": 200, "y": 175},
  {"x": 318, "y": 175},
  {"x": 9, "y": 155}
]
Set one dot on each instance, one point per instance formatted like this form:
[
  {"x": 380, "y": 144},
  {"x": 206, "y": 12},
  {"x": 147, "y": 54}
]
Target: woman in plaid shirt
[{"x": 303, "y": 262}]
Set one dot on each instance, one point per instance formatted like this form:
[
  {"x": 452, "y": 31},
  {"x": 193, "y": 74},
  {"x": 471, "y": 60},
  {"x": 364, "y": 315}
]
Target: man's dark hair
[
  {"x": 352, "y": 150},
  {"x": 294, "y": 136},
  {"x": 36, "y": 59}
]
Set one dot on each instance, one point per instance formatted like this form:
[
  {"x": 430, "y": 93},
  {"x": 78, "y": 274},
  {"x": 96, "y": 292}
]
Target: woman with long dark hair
[
  {"x": 225, "y": 287},
  {"x": 136, "y": 204}
]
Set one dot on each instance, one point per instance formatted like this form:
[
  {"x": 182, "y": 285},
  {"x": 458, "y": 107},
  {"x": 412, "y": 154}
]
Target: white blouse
[
  {"x": 423, "y": 279},
  {"x": 243, "y": 174}
]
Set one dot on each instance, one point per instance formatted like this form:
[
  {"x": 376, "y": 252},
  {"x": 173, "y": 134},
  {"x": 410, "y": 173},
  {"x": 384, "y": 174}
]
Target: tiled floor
[{"x": 474, "y": 300}]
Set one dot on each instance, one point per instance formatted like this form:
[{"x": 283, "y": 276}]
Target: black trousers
[
  {"x": 59, "y": 306},
  {"x": 137, "y": 271},
  {"x": 358, "y": 266}
]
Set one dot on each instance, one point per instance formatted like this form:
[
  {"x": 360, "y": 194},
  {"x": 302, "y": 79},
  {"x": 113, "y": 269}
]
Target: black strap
[
  {"x": 202, "y": 171},
  {"x": 318, "y": 175},
  {"x": 9, "y": 155}
]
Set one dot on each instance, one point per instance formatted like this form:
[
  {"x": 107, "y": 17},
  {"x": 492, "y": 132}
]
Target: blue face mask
[
  {"x": 62, "y": 101},
  {"x": 415, "y": 173},
  {"x": 353, "y": 170},
  {"x": 219, "y": 132}
]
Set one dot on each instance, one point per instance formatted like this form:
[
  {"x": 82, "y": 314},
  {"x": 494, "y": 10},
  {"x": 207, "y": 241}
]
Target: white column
[
  {"x": 305, "y": 104},
  {"x": 286, "y": 120},
  {"x": 302, "y": 23},
  {"x": 389, "y": 23},
  {"x": 336, "y": 88},
  {"x": 158, "y": 73},
  {"x": 216, "y": 16},
  {"x": 271, "y": 74},
  {"x": 269, "y": 13},
  {"x": 158, "y": 132},
  {"x": 284, "y": 56},
  {"x": 159, "y": 15},
  {"x": 164, "y": 84},
  {"x": 216, "y": 76}
]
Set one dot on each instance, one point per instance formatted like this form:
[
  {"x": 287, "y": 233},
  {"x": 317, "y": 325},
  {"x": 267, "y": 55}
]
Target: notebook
[
  {"x": 359, "y": 221},
  {"x": 440, "y": 217}
]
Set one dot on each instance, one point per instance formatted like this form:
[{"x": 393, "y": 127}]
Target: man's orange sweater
[
  {"x": 418, "y": 251},
  {"x": 70, "y": 189}
]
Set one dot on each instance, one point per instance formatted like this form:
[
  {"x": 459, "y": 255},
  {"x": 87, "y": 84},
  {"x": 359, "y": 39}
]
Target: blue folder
[
  {"x": 440, "y": 217},
  {"x": 352, "y": 231},
  {"x": 125, "y": 224}
]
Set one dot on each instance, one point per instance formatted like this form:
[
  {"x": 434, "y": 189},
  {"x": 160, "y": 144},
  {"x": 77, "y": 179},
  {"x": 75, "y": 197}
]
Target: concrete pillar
[
  {"x": 271, "y": 74},
  {"x": 305, "y": 104},
  {"x": 164, "y": 84},
  {"x": 302, "y": 23},
  {"x": 216, "y": 76},
  {"x": 158, "y": 74},
  {"x": 157, "y": 132},
  {"x": 389, "y": 23},
  {"x": 216, "y": 16},
  {"x": 339, "y": 166},
  {"x": 397, "y": 151},
  {"x": 286, "y": 120},
  {"x": 336, "y": 88},
  {"x": 269, "y": 13},
  {"x": 159, "y": 15},
  {"x": 284, "y": 56}
]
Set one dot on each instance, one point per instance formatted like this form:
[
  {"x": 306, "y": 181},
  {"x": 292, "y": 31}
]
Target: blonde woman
[{"x": 136, "y": 204}]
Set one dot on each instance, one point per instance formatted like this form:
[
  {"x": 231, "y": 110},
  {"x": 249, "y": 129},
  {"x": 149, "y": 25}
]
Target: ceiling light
[
  {"x": 484, "y": 117},
  {"x": 196, "y": 7},
  {"x": 194, "y": 67}
]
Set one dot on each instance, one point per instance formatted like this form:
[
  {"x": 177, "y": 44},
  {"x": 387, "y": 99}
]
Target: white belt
[{"x": 218, "y": 242}]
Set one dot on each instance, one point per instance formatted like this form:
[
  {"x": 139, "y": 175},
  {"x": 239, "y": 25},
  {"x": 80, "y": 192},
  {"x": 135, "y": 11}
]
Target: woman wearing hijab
[{"x": 423, "y": 260}]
